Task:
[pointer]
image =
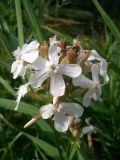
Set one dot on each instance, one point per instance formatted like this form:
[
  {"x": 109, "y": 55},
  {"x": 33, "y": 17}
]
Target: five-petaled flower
[
  {"x": 93, "y": 86},
  {"x": 62, "y": 114},
  {"x": 24, "y": 56},
  {"x": 55, "y": 70}
]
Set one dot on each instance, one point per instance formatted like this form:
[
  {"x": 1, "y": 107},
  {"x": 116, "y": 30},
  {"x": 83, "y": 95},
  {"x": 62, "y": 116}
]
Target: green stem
[{"x": 58, "y": 143}]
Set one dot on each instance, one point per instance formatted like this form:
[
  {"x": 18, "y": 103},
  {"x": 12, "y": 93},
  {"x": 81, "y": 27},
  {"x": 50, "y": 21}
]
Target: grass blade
[
  {"x": 23, "y": 107},
  {"x": 7, "y": 86},
  {"x": 33, "y": 20},
  {"x": 27, "y": 109},
  {"x": 19, "y": 22},
  {"x": 107, "y": 20},
  {"x": 80, "y": 156},
  {"x": 49, "y": 149}
]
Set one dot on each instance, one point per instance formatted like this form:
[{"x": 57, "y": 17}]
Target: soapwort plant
[{"x": 61, "y": 69}]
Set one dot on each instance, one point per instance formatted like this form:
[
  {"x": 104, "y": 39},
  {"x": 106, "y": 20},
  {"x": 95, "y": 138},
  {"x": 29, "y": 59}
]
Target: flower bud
[
  {"x": 32, "y": 121},
  {"x": 44, "y": 50},
  {"x": 63, "y": 44},
  {"x": 84, "y": 57},
  {"x": 76, "y": 45},
  {"x": 71, "y": 55},
  {"x": 74, "y": 126},
  {"x": 76, "y": 42}
]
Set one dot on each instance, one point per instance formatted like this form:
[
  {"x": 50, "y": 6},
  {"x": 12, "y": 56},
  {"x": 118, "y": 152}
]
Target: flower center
[{"x": 54, "y": 68}]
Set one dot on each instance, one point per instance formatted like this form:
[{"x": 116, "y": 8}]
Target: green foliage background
[{"x": 21, "y": 21}]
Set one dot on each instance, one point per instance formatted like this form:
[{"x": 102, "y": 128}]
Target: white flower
[
  {"x": 102, "y": 65},
  {"x": 89, "y": 128},
  {"x": 93, "y": 56},
  {"x": 62, "y": 114},
  {"x": 103, "y": 71},
  {"x": 94, "y": 90},
  {"x": 51, "y": 68},
  {"x": 25, "y": 55},
  {"x": 23, "y": 89}
]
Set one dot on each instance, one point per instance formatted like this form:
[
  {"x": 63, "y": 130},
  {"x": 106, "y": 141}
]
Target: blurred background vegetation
[{"x": 24, "y": 20}]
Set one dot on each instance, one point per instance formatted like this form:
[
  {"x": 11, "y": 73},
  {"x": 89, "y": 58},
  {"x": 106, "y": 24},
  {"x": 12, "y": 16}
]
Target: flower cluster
[{"x": 50, "y": 65}]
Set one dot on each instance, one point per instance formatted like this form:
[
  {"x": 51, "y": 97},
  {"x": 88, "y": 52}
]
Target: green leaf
[
  {"x": 19, "y": 22},
  {"x": 107, "y": 20},
  {"x": 49, "y": 149},
  {"x": 72, "y": 153},
  {"x": 33, "y": 21},
  {"x": 5, "y": 43},
  {"x": 80, "y": 156},
  {"x": 27, "y": 109},
  {"x": 23, "y": 107},
  {"x": 7, "y": 86}
]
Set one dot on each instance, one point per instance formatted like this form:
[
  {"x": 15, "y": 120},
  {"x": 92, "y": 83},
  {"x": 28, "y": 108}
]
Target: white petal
[
  {"x": 47, "y": 111},
  {"x": 18, "y": 101},
  {"x": 39, "y": 64},
  {"x": 88, "y": 129},
  {"x": 17, "y": 52},
  {"x": 71, "y": 70},
  {"x": 37, "y": 79},
  {"x": 23, "y": 71},
  {"x": 57, "y": 85},
  {"x": 32, "y": 46},
  {"x": 81, "y": 53},
  {"x": 94, "y": 56},
  {"x": 25, "y": 45},
  {"x": 83, "y": 82},
  {"x": 95, "y": 72},
  {"x": 53, "y": 54},
  {"x": 103, "y": 67},
  {"x": 61, "y": 122},
  {"x": 71, "y": 109},
  {"x": 77, "y": 120},
  {"x": 105, "y": 77},
  {"x": 30, "y": 57},
  {"x": 103, "y": 71},
  {"x": 21, "y": 93},
  {"x": 87, "y": 98},
  {"x": 97, "y": 93},
  {"x": 18, "y": 70},
  {"x": 14, "y": 66},
  {"x": 53, "y": 41},
  {"x": 30, "y": 52}
]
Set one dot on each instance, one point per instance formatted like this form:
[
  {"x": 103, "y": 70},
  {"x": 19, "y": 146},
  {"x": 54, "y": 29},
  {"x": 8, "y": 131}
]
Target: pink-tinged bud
[{"x": 44, "y": 50}]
